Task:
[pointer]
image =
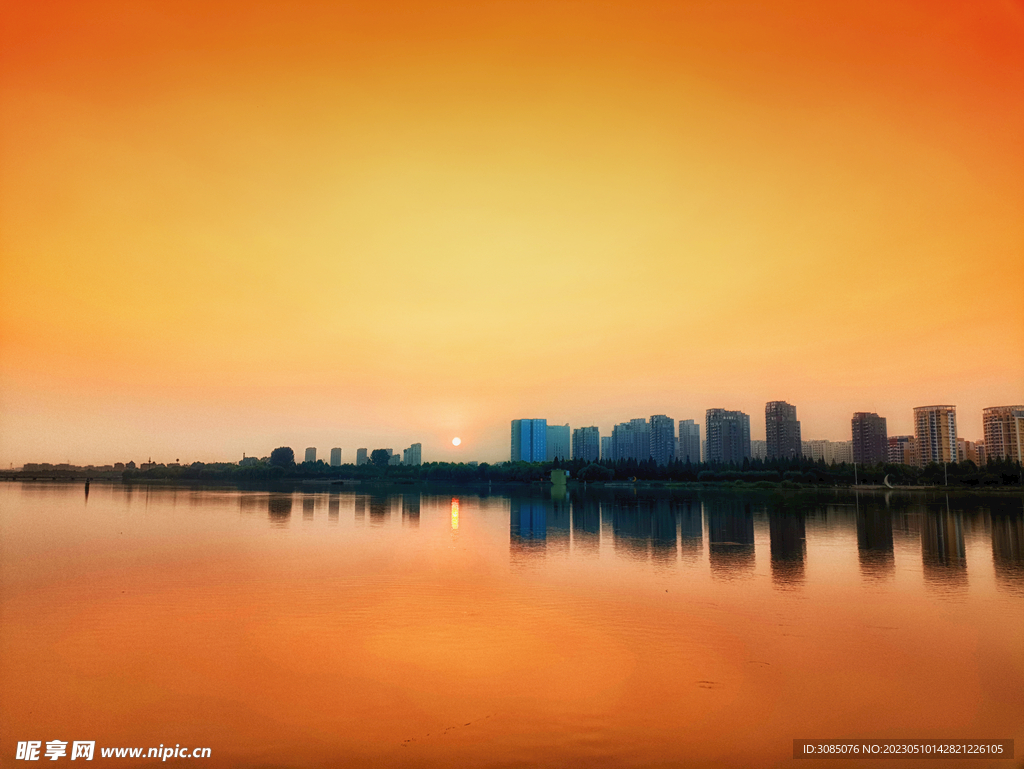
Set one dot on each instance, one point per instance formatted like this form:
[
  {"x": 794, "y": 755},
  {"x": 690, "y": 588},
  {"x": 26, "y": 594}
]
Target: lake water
[{"x": 430, "y": 627}]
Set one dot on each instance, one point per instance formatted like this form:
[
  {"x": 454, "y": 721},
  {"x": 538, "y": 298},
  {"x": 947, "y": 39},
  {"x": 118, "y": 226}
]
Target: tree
[
  {"x": 282, "y": 457},
  {"x": 380, "y": 457}
]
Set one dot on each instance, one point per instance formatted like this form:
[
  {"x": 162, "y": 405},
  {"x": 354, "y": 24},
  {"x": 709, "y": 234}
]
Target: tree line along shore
[{"x": 766, "y": 473}]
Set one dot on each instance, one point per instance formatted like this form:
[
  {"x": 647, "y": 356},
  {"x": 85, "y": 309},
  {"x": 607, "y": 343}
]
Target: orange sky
[{"x": 228, "y": 228}]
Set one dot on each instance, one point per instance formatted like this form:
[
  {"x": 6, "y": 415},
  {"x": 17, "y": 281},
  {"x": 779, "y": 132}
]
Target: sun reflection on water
[{"x": 455, "y": 513}]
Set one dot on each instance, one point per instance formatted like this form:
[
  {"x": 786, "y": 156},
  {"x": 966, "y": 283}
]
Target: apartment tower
[
  {"x": 586, "y": 444},
  {"x": 559, "y": 442},
  {"x": 727, "y": 436},
  {"x": 662, "y": 430},
  {"x": 529, "y": 440},
  {"x": 782, "y": 430},
  {"x": 1004, "y": 432},
  {"x": 689, "y": 442},
  {"x": 631, "y": 440},
  {"x": 935, "y": 434},
  {"x": 870, "y": 440}
]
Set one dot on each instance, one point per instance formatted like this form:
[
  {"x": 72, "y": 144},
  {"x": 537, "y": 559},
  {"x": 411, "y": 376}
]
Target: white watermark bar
[
  {"x": 861, "y": 749},
  {"x": 86, "y": 750}
]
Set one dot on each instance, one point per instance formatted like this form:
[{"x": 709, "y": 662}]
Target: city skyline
[
  {"x": 225, "y": 227},
  {"x": 1011, "y": 425}
]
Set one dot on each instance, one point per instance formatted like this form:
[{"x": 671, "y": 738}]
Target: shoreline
[{"x": 339, "y": 484}]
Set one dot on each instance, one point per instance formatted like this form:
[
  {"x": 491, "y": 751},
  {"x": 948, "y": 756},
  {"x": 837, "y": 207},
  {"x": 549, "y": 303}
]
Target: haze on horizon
[{"x": 229, "y": 227}]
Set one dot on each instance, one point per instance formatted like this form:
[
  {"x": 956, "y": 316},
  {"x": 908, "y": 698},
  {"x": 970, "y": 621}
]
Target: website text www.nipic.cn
[{"x": 54, "y": 750}]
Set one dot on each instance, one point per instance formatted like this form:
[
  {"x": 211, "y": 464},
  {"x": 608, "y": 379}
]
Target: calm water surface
[{"x": 425, "y": 627}]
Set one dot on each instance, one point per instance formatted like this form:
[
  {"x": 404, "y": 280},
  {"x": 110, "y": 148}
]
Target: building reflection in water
[
  {"x": 279, "y": 508},
  {"x": 528, "y": 526},
  {"x": 360, "y": 510},
  {"x": 308, "y": 502},
  {"x": 664, "y": 528},
  {"x": 380, "y": 509},
  {"x": 691, "y": 529},
  {"x": 730, "y": 525},
  {"x": 874, "y": 540},
  {"x": 411, "y": 510},
  {"x": 788, "y": 537},
  {"x": 250, "y": 503},
  {"x": 559, "y": 520},
  {"x": 631, "y": 529},
  {"x": 1008, "y": 551},
  {"x": 586, "y": 523},
  {"x": 333, "y": 507},
  {"x": 943, "y": 555}
]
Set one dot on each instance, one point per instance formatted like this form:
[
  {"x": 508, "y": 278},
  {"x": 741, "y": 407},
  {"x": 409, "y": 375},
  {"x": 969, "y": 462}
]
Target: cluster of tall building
[
  {"x": 935, "y": 437},
  {"x": 335, "y": 456},
  {"x": 727, "y": 439},
  {"x": 410, "y": 456},
  {"x": 534, "y": 440}
]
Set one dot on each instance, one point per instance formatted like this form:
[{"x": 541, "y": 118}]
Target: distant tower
[
  {"x": 727, "y": 436},
  {"x": 559, "y": 443},
  {"x": 606, "y": 448},
  {"x": 413, "y": 455},
  {"x": 1004, "y": 432},
  {"x": 586, "y": 443},
  {"x": 311, "y": 455},
  {"x": 529, "y": 440},
  {"x": 632, "y": 440},
  {"x": 689, "y": 442},
  {"x": 782, "y": 430},
  {"x": 335, "y": 457},
  {"x": 935, "y": 433},
  {"x": 662, "y": 430},
  {"x": 361, "y": 458},
  {"x": 870, "y": 439},
  {"x": 902, "y": 450}
]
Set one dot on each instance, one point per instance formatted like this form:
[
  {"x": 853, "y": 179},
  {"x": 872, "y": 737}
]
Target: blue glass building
[{"x": 529, "y": 440}]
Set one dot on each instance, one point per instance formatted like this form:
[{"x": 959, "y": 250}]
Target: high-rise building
[
  {"x": 559, "y": 442},
  {"x": 727, "y": 436},
  {"x": 335, "y": 457},
  {"x": 818, "y": 451},
  {"x": 688, "y": 449},
  {"x": 782, "y": 430},
  {"x": 1004, "y": 432},
  {"x": 829, "y": 451},
  {"x": 529, "y": 440},
  {"x": 631, "y": 440},
  {"x": 606, "y": 448},
  {"x": 662, "y": 430},
  {"x": 842, "y": 451},
  {"x": 972, "y": 450},
  {"x": 758, "y": 449},
  {"x": 935, "y": 431},
  {"x": 586, "y": 443},
  {"x": 870, "y": 441},
  {"x": 393, "y": 458},
  {"x": 361, "y": 457},
  {"x": 311, "y": 455},
  {"x": 902, "y": 450},
  {"x": 413, "y": 455}
]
